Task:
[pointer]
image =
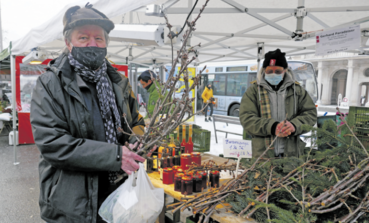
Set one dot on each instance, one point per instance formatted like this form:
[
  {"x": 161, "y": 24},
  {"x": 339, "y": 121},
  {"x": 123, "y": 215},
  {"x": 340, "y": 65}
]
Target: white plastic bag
[{"x": 122, "y": 206}]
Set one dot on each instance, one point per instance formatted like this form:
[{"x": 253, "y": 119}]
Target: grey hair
[{"x": 68, "y": 38}]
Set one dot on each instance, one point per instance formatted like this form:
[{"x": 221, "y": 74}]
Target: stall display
[
  {"x": 197, "y": 183},
  {"x": 196, "y": 157},
  {"x": 214, "y": 178},
  {"x": 178, "y": 181},
  {"x": 187, "y": 185},
  {"x": 168, "y": 177},
  {"x": 189, "y": 144},
  {"x": 185, "y": 161}
]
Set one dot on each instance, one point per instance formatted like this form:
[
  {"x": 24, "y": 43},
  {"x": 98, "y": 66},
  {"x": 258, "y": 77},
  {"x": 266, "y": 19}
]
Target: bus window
[
  {"x": 237, "y": 84},
  {"x": 305, "y": 75},
  {"x": 219, "y": 84}
]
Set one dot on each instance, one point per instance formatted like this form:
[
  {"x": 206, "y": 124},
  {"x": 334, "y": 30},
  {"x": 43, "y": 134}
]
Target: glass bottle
[
  {"x": 183, "y": 144},
  {"x": 214, "y": 178},
  {"x": 197, "y": 183},
  {"x": 168, "y": 176},
  {"x": 196, "y": 157},
  {"x": 178, "y": 182},
  {"x": 185, "y": 161},
  {"x": 162, "y": 163},
  {"x": 170, "y": 162},
  {"x": 162, "y": 150},
  {"x": 172, "y": 145},
  {"x": 186, "y": 185},
  {"x": 189, "y": 144},
  {"x": 155, "y": 162},
  {"x": 177, "y": 142}
]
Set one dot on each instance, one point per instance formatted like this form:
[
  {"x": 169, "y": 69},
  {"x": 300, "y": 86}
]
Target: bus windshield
[{"x": 304, "y": 73}]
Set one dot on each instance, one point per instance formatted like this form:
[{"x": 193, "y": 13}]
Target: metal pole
[
  {"x": 260, "y": 53},
  {"x": 1, "y": 32},
  {"x": 15, "y": 138}
]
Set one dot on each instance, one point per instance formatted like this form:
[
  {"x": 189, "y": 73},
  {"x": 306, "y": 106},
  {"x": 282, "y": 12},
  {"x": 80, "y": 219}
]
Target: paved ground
[{"x": 18, "y": 184}]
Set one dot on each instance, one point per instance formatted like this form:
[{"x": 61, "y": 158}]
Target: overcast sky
[{"x": 19, "y": 16}]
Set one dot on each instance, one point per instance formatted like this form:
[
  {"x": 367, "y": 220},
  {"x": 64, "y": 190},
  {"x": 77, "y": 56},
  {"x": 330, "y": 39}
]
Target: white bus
[{"x": 231, "y": 81}]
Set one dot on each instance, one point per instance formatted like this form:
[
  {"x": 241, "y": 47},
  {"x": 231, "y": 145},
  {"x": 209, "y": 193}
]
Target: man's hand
[
  {"x": 284, "y": 129},
  {"x": 208, "y": 101},
  {"x": 129, "y": 159}
]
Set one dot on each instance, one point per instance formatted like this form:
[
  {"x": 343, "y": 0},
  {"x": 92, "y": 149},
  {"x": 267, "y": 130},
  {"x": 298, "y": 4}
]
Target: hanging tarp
[{"x": 50, "y": 32}]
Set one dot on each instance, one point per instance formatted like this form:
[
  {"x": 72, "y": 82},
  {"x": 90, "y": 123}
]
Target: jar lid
[
  {"x": 155, "y": 156},
  {"x": 180, "y": 170},
  {"x": 214, "y": 172},
  {"x": 185, "y": 155},
  {"x": 176, "y": 167},
  {"x": 168, "y": 169},
  {"x": 195, "y": 154},
  {"x": 187, "y": 178},
  {"x": 179, "y": 175}
]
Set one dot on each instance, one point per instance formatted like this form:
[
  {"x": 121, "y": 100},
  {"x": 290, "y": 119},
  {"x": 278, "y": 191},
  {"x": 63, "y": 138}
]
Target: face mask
[
  {"x": 91, "y": 57},
  {"x": 274, "y": 79}
]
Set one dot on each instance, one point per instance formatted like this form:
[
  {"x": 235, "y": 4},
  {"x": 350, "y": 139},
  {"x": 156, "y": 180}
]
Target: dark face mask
[{"x": 91, "y": 57}]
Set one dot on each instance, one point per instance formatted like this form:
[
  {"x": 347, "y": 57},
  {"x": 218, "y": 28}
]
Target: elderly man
[
  {"x": 276, "y": 105},
  {"x": 76, "y": 111}
]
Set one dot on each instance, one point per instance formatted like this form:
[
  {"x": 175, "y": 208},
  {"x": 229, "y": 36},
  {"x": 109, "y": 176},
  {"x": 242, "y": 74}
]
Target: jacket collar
[{"x": 63, "y": 69}]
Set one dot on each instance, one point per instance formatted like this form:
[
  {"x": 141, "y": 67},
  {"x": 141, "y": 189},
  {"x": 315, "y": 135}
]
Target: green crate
[
  {"x": 360, "y": 117},
  {"x": 201, "y": 141},
  {"x": 364, "y": 140}
]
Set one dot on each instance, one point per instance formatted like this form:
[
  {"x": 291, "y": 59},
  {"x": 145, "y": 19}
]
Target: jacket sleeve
[
  {"x": 138, "y": 123},
  {"x": 52, "y": 135},
  {"x": 306, "y": 113},
  {"x": 250, "y": 118}
]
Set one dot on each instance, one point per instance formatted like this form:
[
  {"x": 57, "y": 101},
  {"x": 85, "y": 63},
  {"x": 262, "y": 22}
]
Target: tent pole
[
  {"x": 260, "y": 53},
  {"x": 15, "y": 138}
]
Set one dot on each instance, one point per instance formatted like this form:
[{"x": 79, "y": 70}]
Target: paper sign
[
  {"x": 337, "y": 40},
  {"x": 237, "y": 148},
  {"x": 127, "y": 199}
]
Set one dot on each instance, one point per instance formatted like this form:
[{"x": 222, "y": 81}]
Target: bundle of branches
[
  {"x": 170, "y": 111},
  {"x": 321, "y": 186}
]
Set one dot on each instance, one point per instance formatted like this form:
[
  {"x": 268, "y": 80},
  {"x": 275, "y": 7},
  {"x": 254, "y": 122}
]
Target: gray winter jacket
[{"x": 71, "y": 158}]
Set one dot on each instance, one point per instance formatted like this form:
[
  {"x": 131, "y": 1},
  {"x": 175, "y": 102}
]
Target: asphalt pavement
[{"x": 19, "y": 187}]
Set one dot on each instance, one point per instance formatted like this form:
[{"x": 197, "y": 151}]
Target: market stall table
[{"x": 222, "y": 216}]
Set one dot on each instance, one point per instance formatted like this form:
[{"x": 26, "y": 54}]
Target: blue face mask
[{"x": 274, "y": 79}]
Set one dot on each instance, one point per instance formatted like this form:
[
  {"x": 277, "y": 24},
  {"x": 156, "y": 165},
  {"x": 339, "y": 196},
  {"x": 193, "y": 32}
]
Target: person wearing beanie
[
  {"x": 76, "y": 116},
  {"x": 275, "y": 105}
]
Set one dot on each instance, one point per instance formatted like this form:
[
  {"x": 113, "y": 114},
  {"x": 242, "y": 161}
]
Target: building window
[
  {"x": 366, "y": 72},
  {"x": 339, "y": 80}
]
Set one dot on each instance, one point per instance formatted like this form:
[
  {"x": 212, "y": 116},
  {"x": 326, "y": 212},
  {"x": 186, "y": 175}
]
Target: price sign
[{"x": 237, "y": 148}]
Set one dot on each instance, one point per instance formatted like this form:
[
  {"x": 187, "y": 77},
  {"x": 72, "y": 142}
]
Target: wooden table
[{"x": 222, "y": 216}]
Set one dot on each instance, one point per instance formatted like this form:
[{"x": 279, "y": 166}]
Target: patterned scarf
[
  {"x": 265, "y": 111},
  {"x": 108, "y": 107}
]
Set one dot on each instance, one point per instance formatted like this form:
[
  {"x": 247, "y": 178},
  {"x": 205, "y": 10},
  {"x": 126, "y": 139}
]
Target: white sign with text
[
  {"x": 237, "y": 148},
  {"x": 337, "y": 40}
]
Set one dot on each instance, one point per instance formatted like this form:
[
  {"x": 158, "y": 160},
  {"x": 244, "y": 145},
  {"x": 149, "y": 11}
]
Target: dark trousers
[{"x": 211, "y": 109}]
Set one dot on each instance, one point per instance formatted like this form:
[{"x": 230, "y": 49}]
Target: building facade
[{"x": 344, "y": 74}]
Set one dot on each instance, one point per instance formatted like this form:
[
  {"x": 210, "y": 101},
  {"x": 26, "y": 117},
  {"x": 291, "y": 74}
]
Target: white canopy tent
[{"x": 229, "y": 30}]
